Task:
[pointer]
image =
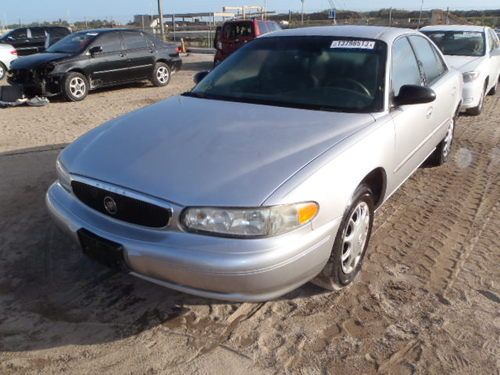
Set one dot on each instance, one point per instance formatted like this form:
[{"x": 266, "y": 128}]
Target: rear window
[
  {"x": 459, "y": 43},
  {"x": 235, "y": 30}
]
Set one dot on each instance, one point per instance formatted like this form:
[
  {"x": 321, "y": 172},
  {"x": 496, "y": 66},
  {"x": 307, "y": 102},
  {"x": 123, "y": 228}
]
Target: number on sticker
[{"x": 357, "y": 44}]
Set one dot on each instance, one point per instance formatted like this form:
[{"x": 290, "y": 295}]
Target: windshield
[
  {"x": 322, "y": 73},
  {"x": 73, "y": 43},
  {"x": 460, "y": 43}
]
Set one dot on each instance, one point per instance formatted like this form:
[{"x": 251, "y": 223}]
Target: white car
[
  {"x": 474, "y": 51},
  {"x": 7, "y": 55}
]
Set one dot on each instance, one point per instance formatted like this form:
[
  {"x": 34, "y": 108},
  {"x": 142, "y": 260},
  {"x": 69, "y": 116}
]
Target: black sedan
[{"x": 91, "y": 59}]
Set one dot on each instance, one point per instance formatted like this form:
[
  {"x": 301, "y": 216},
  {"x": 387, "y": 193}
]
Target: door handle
[{"x": 429, "y": 112}]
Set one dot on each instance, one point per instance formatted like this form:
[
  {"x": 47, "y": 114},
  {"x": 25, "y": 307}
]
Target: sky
[{"x": 123, "y": 10}]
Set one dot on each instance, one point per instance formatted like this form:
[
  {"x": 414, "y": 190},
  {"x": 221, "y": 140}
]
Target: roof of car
[
  {"x": 107, "y": 30},
  {"x": 453, "y": 28},
  {"x": 384, "y": 33}
]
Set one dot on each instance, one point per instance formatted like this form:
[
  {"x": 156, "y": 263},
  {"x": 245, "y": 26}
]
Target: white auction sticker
[{"x": 358, "y": 44}]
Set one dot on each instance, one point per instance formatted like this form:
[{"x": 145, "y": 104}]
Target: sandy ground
[{"x": 427, "y": 301}]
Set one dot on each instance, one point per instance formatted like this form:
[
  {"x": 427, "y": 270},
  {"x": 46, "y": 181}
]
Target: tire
[
  {"x": 75, "y": 87},
  {"x": 476, "y": 111},
  {"x": 357, "y": 223},
  {"x": 494, "y": 89},
  {"x": 161, "y": 75},
  {"x": 3, "y": 71},
  {"x": 443, "y": 150}
]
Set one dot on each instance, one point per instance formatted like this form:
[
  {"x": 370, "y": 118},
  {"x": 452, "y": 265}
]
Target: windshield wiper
[{"x": 193, "y": 94}]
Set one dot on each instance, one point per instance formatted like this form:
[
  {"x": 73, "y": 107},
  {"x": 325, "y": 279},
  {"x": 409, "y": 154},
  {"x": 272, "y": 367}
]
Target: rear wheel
[
  {"x": 3, "y": 71},
  {"x": 75, "y": 87},
  {"x": 161, "y": 75},
  {"x": 350, "y": 243},
  {"x": 442, "y": 152}
]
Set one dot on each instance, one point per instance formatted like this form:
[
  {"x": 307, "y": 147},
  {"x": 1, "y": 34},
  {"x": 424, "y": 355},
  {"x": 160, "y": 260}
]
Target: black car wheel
[
  {"x": 161, "y": 75},
  {"x": 3, "y": 71},
  {"x": 75, "y": 87},
  {"x": 350, "y": 243}
]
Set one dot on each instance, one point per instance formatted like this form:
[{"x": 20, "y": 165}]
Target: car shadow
[{"x": 50, "y": 294}]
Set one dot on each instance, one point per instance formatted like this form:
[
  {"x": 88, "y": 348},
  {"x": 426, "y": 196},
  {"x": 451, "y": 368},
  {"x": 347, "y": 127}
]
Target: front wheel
[
  {"x": 3, "y": 71},
  {"x": 476, "y": 111},
  {"x": 75, "y": 87},
  {"x": 494, "y": 89},
  {"x": 350, "y": 243},
  {"x": 161, "y": 75}
]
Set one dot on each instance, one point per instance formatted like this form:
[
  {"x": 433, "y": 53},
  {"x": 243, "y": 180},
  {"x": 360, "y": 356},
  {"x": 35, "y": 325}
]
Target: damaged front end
[{"x": 39, "y": 81}]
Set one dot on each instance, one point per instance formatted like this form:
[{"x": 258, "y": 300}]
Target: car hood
[
  {"x": 34, "y": 61},
  {"x": 464, "y": 63},
  {"x": 193, "y": 151}
]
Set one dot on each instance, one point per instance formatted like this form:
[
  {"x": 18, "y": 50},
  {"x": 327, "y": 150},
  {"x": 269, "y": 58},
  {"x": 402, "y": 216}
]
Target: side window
[
  {"x": 19, "y": 34},
  {"x": 110, "y": 42},
  {"x": 263, "y": 27},
  {"x": 37, "y": 33},
  {"x": 428, "y": 58},
  {"x": 405, "y": 69},
  {"x": 134, "y": 40}
]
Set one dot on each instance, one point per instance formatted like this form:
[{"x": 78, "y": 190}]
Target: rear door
[
  {"x": 140, "y": 55},
  {"x": 38, "y": 37},
  {"x": 110, "y": 65}
]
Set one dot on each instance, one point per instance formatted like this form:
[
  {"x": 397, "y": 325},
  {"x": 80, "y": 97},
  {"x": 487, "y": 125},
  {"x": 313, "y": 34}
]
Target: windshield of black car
[
  {"x": 459, "y": 43},
  {"x": 73, "y": 43},
  {"x": 313, "y": 72}
]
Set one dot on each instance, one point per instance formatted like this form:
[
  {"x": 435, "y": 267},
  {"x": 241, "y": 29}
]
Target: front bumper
[
  {"x": 32, "y": 84},
  {"x": 212, "y": 267},
  {"x": 471, "y": 94}
]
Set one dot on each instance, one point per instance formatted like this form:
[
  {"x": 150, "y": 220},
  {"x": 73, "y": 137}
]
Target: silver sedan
[{"x": 268, "y": 173}]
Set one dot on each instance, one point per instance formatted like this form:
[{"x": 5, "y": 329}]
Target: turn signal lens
[{"x": 306, "y": 212}]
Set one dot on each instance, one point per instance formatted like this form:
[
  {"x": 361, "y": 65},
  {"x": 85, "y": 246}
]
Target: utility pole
[
  {"x": 390, "y": 16},
  {"x": 162, "y": 26},
  {"x": 420, "y": 14},
  {"x": 302, "y": 11}
]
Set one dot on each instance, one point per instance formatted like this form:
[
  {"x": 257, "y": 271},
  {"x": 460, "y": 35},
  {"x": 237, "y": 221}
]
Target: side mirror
[
  {"x": 198, "y": 77},
  {"x": 414, "y": 94},
  {"x": 95, "y": 50}
]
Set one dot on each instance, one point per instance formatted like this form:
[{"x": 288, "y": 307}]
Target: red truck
[{"x": 235, "y": 34}]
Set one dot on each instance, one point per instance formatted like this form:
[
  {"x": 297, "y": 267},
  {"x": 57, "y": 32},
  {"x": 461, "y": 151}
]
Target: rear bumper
[{"x": 212, "y": 267}]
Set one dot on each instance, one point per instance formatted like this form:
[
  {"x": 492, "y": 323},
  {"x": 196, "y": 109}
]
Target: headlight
[
  {"x": 63, "y": 176},
  {"x": 249, "y": 222},
  {"x": 470, "y": 76}
]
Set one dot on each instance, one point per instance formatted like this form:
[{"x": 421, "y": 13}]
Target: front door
[
  {"x": 108, "y": 66},
  {"x": 411, "y": 122}
]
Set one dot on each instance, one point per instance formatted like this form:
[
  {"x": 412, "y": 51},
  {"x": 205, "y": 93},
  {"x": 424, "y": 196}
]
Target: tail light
[
  {"x": 179, "y": 49},
  {"x": 13, "y": 52}
]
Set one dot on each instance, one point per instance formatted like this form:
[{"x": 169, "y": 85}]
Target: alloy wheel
[
  {"x": 354, "y": 237},
  {"x": 77, "y": 87},
  {"x": 162, "y": 74}
]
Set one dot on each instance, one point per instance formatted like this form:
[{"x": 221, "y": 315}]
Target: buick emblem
[{"x": 110, "y": 205}]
